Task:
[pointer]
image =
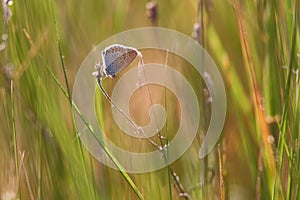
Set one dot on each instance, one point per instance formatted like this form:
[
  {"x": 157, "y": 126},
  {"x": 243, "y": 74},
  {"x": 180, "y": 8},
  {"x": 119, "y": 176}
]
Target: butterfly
[{"x": 114, "y": 59}]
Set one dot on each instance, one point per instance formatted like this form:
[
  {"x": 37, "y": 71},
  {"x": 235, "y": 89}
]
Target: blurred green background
[{"x": 255, "y": 44}]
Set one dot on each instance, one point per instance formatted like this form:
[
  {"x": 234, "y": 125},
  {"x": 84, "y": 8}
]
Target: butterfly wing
[{"x": 117, "y": 57}]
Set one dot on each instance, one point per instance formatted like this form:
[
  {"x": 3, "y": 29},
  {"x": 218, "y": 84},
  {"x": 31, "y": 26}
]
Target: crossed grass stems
[{"x": 162, "y": 147}]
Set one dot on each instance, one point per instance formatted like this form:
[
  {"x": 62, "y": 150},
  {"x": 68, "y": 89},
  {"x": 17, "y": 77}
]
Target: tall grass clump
[{"x": 254, "y": 44}]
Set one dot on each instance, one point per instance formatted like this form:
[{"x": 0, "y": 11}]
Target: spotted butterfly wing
[{"x": 117, "y": 57}]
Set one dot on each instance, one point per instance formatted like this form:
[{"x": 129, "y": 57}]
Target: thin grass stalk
[
  {"x": 170, "y": 171},
  {"x": 13, "y": 124},
  {"x": 39, "y": 163},
  {"x": 161, "y": 148},
  {"x": 296, "y": 158},
  {"x": 166, "y": 130},
  {"x": 168, "y": 167},
  {"x": 26, "y": 176},
  {"x": 257, "y": 98},
  {"x": 178, "y": 184},
  {"x": 83, "y": 161},
  {"x": 294, "y": 124},
  {"x": 284, "y": 121},
  {"x": 22, "y": 155},
  {"x": 60, "y": 50},
  {"x": 152, "y": 13},
  {"x": 199, "y": 36},
  {"x": 284, "y": 128},
  {"x": 221, "y": 178},
  {"x": 295, "y": 169},
  {"x": 138, "y": 129}
]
